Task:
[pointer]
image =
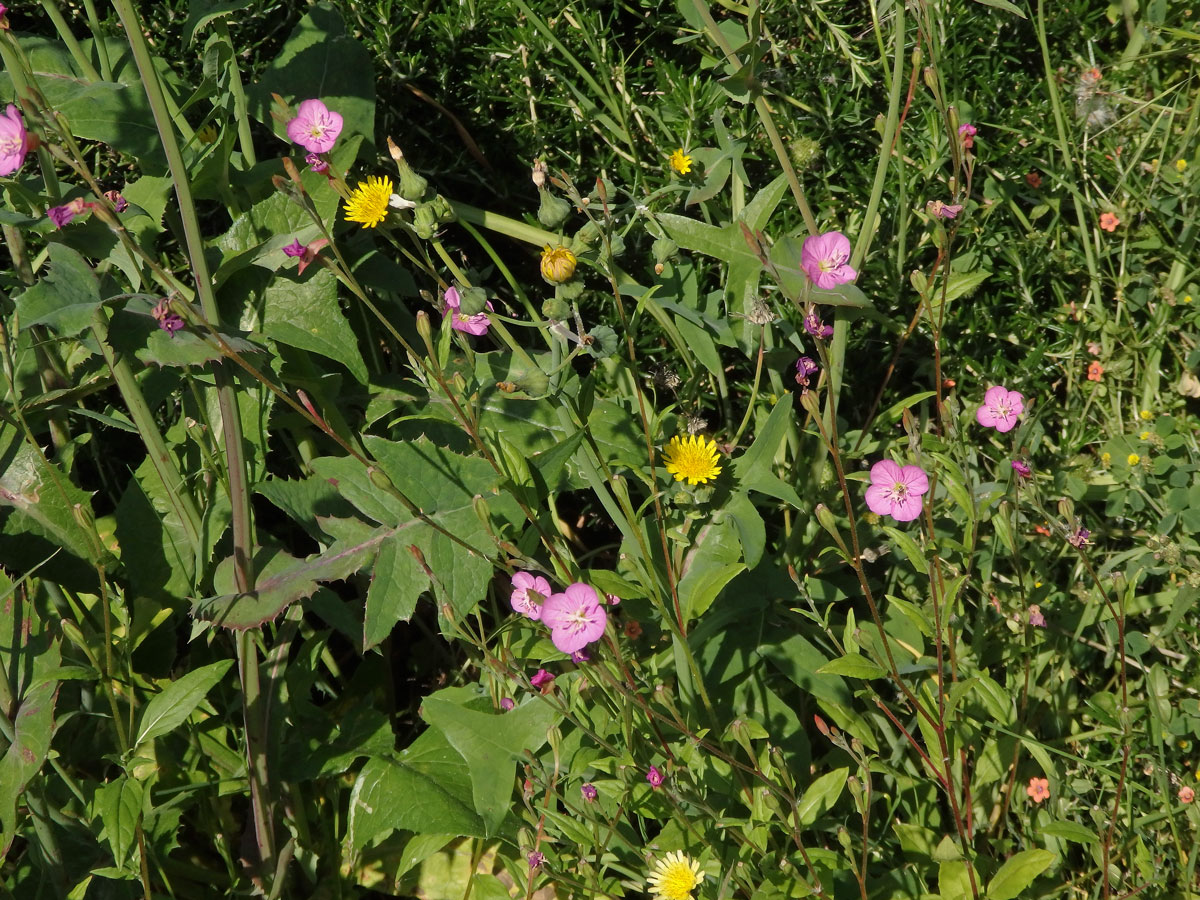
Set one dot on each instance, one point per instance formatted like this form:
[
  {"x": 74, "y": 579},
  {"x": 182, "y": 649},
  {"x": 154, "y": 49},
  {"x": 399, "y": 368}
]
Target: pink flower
[
  {"x": 62, "y": 215},
  {"x": 944, "y": 210},
  {"x": 967, "y": 132},
  {"x": 896, "y": 491},
  {"x": 507, "y": 704},
  {"x": 824, "y": 258},
  {"x": 476, "y": 324},
  {"x": 1000, "y": 409},
  {"x": 542, "y": 680},
  {"x": 14, "y": 142},
  {"x": 655, "y": 777},
  {"x": 1022, "y": 469},
  {"x": 1036, "y": 619},
  {"x": 120, "y": 204},
  {"x": 589, "y": 792},
  {"x": 295, "y": 248},
  {"x": 814, "y": 326},
  {"x": 1186, "y": 794},
  {"x": 525, "y": 586},
  {"x": 315, "y": 128},
  {"x": 317, "y": 164},
  {"x": 536, "y": 859},
  {"x": 575, "y": 617}
]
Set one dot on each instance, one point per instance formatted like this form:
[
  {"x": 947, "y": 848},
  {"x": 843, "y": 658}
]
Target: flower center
[
  {"x": 578, "y": 620},
  {"x": 678, "y": 881},
  {"x": 1002, "y": 409},
  {"x": 10, "y": 144},
  {"x": 899, "y": 492}
]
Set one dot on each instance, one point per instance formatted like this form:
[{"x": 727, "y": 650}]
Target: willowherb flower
[
  {"x": 674, "y": 877},
  {"x": 825, "y": 259},
  {"x": 575, "y": 617},
  {"x": 1000, "y": 409},
  {"x": 814, "y": 326},
  {"x": 368, "y": 203},
  {"x": 120, "y": 204},
  {"x": 1036, "y": 619},
  {"x": 529, "y": 593},
  {"x": 966, "y": 133},
  {"x": 580, "y": 656},
  {"x": 294, "y": 249},
  {"x": 655, "y": 777},
  {"x": 460, "y": 321},
  {"x": 1079, "y": 539},
  {"x": 14, "y": 140},
  {"x": 692, "y": 459},
  {"x": 943, "y": 210},
  {"x": 507, "y": 704},
  {"x": 589, "y": 792},
  {"x": 536, "y": 859},
  {"x": 168, "y": 321},
  {"x": 681, "y": 162},
  {"x": 315, "y": 128},
  {"x": 806, "y": 368},
  {"x": 1022, "y": 469},
  {"x": 1038, "y": 789},
  {"x": 317, "y": 163},
  {"x": 896, "y": 491},
  {"x": 542, "y": 680}
]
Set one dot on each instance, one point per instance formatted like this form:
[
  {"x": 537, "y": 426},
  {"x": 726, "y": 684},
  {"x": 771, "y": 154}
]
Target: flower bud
[
  {"x": 805, "y": 153},
  {"x": 558, "y": 264},
  {"x": 811, "y": 403},
  {"x": 540, "y": 170},
  {"x": 425, "y": 221},
  {"x": 379, "y": 479},
  {"x": 412, "y": 185},
  {"x": 586, "y": 236},
  {"x": 553, "y": 211},
  {"x": 556, "y": 308},
  {"x": 472, "y": 300},
  {"x": 442, "y": 209},
  {"x": 534, "y": 382}
]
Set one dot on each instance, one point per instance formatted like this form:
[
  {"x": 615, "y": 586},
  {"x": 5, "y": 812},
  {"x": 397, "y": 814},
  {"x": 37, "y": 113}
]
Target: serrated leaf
[
  {"x": 170, "y": 708},
  {"x": 66, "y": 298},
  {"x": 1018, "y": 873},
  {"x": 134, "y": 330},
  {"x": 821, "y": 795},
  {"x": 306, "y": 314}
]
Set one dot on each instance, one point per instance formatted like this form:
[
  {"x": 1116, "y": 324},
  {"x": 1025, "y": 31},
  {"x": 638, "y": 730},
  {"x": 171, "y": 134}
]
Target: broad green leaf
[
  {"x": 853, "y": 667},
  {"x": 714, "y": 560},
  {"x": 821, "y": 795},
  {"x": 134, "y": 330},
  {"x": 492, "y": 744},
  {"x": 33, "y": 727},
  {"x": 751, "y": 530},
  {"x": 66, "y": 298},
  {"x": 170, "y": 708},
  {"x": 1069, "y": 831},
  {"x": 954, "y": 880},
  {"x": 397, "y": 582},
  {"x": 120, "y": 807},
  {"x": 306, "y": 314},
  {"x": 1018, "y": 873}
]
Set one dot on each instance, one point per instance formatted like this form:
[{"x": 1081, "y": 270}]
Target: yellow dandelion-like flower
[
  {"x": 1145, "y": 435},
  {"x": 1133, "y": 459},
  {"x": 692, "y": 459},
  {"x": 681, "y": 162},
  {"x": 1146, "y": 415},
  {"x": 1187, "y": 298},
  {"x": 1106, "y": 459},
  {"x": 675, "y": 876},
  {"x": 558, "y": 264},
  {"x": 368, "y": 204},
  {"x": 1180, "y": 165}
]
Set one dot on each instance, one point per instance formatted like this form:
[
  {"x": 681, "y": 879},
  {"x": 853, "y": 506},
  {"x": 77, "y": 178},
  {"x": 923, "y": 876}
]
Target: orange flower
[
  {"x": 1186, "y": 794},
  {"x": 1034, "y": 180},
  {"x": 1109, "y": 221},
  {"x": 633, "y": 629},
  {"x": 1095, "y": 371},
  {"x": 1039, "y": 789}
]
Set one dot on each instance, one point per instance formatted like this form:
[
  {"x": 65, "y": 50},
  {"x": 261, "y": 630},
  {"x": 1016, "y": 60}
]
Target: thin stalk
[
  {"x": 64, "y": 31},
  {"x": 245, "y": 139},
  {"x": 98, "y": 37}
]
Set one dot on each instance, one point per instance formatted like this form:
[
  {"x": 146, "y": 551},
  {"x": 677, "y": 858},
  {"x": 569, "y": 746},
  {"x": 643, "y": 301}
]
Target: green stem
[
  {"x": 64, "y": 31},
  {"x": 245, "y": 139},
  {"x": 98, "y": 37}
]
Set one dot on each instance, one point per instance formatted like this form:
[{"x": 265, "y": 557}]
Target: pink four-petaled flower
[
  {"x": 825, "y": 258},
  {"x": 575, "y": 617},
  {"x": 1000, "y": 409},
  {"x": 315, "y": 128},
  {"x": 896, "y": 491},
  {"x": 476, "y": 324},
  {"x": 14, "y": 142},
  {"x": 529, "y": 593}
]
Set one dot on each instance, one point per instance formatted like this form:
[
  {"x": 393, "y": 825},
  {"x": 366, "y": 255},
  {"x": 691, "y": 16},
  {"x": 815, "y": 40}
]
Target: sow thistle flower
[
  {"x": 681, "y": 162},
  {"x": 558, "y": 264},
  {"x": 368, "y": 204},
  {"x": 674, "y": 877},
  {"x": 692, "y": 459}
]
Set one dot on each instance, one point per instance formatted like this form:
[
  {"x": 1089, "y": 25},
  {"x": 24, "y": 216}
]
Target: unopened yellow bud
[{"x": 558, "y": 264}]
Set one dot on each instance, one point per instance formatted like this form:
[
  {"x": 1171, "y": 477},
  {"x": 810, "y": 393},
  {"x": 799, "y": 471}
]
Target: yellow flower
[
  {"x": 1180, "y": 165},
  {"x": 1106, "y": 459},
  {"x": 681, "y": 162},
  {"x": 675, "y": 876},
  {"x": 558, "y": 264},
  {"x": 1187, "y": 298},
  {"x": 207, "y": 134},
  {"x": 368, "y": 204},
  {"x": 1146, "y": 415},
  {"x": 1133, "y": 459},
  {"x": 1145, "y": 435},
  {"x": 692, "y": 459}
]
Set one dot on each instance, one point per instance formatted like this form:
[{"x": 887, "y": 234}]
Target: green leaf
[
  {"x": 306, "y": 314},
  {"x": 397, "y": 582},
  {"x": 821, "y": 795},
  {"x": 750, "y": 528},
  {"x": 954, "y": 880},
  {"x": 1018, "y": 873},
  {"x": 201, "y": 12},
  {"x": 492, "y": 744},
  {"x": 33, "y": 727},
  {"x": 134, "y": 330},
  {"x": 120, "y": 806},
  {"x": 66, "y": 298},
  {"x": 171, "y": 707},
  {"x": 853, "y": 667},
  {"x": 1004, "y": 5},
  {"x": 1070, "y": 831},
  {"x": 714, "y": 560},
  {"x": 904, "y": 542}
]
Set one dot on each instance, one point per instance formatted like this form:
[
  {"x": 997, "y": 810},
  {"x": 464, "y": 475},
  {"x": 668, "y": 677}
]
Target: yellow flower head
[
  {"x": 674, "y": 877},
  {"x": 681, "y": 162},
  {"x": 1180, "y": 165},
  {"x": 1146, "y": 415},
  {"x": 1133, "y": 459},
  {"x": 692, "y": 459},
  {"x": 558, "y": 264},
  {"x": 1145, "y": 435},
  {"x": 368, "y": 204},
  {"x": 207, "y": 134},
  {"x": 1106, "y": 459}
]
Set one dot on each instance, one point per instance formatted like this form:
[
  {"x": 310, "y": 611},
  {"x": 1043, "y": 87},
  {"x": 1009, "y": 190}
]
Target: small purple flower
[
  {"x": 61, "y": 215},
  {"x": 542, "y": 680},
  {"x": 120, "y": 204},
  {"x": 476, "y": 324},
  {"x": 814, "y": 326},
  {"x": 589, "y": 792},
  {"x": 896, "y": 491},
  {"x": 967, "y": 132},
  {"x": 1036, "y": 619},
  {"x": 168, "y": 321},
  {"x": 315, "y": 127},
  {"x": 1022, "y": 469},
  {"x": 579, "y": 656},
  {"x": 1000, "y": 409},
  {"x": 655, "y": 777},
  {"x": 575, "y": 617},
  {"x": 529, "y": 593},
  {"x": 506, "y": 703},
  {"x": 943, "y": 210},
  {"x": 805, "y": 369},
  {"x": 536, "y": 859},
  {"x": 825, "y": 258},
  {"x": 1080, "y": 538},
  {"x": 295, "y": 248},
  {"x": 316, "y": 163}
]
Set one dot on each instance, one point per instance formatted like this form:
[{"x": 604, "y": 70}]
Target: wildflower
[
  {"x": 1000, "y": 409},
  {"x": 315, "y": 127},
  {"x": 655, "y": 777},
  {"x": 120, "y": 204},
  {"x": 1133, "y": 459},
  {"x": 459, "y": 321},
  {"x": 62, "y": 215},
  {"x": 1180, "y": 165},
  {"x": 1079, "y": 539},
  {"x": 580, "y": 656},
  {"x": 1042, "y": 530},
  {"x": 1145, "y": 415},
  {"x": 1034, "y": 180},
  {"x": 506, "y": 703},
  {"x": 1106, "y": 459},
  {"x": 1109, "y": 221},
  {"x": 1022, "y": 469},
  {"x": 575, "y": 617},
  {"x": 692, "y": 459},
  {"x": 207, "y": 134},
  {"x": 368, "y": 204},
  {"x": 294, "y": 249},
  {"x": 1145, "y": 436},
  {"x": 529, "y": 593},
  {"x": 304, "y": 254},
  {"x": 317, "y": 163},
  {"x": 558, "y": 264},
  {"x": 14, "y": 141},
  {"x": 1039, "y": 789},
  {"x": 824, "y": 258},
  {"x": 612, "y": 599},
  {"x": 681, "y": 162},
  {"x": 814, "y": 326},
  {"x": 1186, "y": 794},
  {"x": 674, "y": 877},
  {"x": 896, "y": 491},
  {"x": 632, "y": 629},
  {"x": 168, "y": 321},
  {"x": 938, "y": 209},
  {"x": 542, "y": 681},
  {"x": 966, "y": 133},
  {"x": 1094, "y": 371},
  {"x": 536, "y": 859},
  {"x": 1036, "y": 619},
  {"x": 589, "y": 792},
  {"x": 1094, "y": 348},
  {"x": 805, "y": 369}
]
